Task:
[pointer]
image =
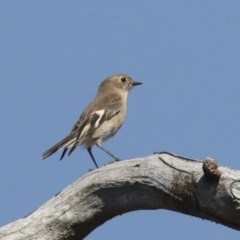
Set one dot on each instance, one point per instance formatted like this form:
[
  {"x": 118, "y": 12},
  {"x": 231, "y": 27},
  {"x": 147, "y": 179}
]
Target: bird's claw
[{"x": 110, "y": 162}]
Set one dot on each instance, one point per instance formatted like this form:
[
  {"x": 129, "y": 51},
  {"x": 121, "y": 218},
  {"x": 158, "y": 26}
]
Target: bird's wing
[
  {"x": 113, "y": 108},
  {"x": 102, "y": 102},
  {"x": 95, "y": 120}
]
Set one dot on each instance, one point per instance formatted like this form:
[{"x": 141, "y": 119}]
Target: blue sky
[{"x": 54, "y": 54}]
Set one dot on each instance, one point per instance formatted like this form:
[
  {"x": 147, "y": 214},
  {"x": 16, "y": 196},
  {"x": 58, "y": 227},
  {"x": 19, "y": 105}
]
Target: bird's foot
[
  {"x": 90, "y": 170},
  {"x": 110, "y": 162}
]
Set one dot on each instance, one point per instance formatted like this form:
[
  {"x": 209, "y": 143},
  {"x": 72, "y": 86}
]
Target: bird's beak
[{"x": 136, "y": 83}]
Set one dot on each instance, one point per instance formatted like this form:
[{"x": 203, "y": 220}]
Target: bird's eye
[{"x": 123, "y": 79}]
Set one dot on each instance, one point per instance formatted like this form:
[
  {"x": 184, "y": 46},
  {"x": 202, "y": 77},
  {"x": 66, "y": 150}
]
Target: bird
[{"x": 101, "y": 119}]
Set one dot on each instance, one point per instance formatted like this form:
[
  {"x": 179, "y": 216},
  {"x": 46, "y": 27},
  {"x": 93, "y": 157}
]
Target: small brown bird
[{"x": 101, "y": 119}]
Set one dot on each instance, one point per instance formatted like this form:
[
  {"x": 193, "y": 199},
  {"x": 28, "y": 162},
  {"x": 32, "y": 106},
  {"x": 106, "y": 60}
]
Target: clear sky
[{"x": 54, "y": 54}]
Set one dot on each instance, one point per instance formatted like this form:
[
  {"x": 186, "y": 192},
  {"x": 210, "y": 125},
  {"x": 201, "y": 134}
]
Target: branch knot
[{"x": 210, "y": 169}]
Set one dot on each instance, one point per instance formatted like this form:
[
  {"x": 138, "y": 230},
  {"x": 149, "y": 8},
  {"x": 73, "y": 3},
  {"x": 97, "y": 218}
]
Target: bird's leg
[
  {"x": 90, "y": 152},
  {"x": 106, "y": 151}
]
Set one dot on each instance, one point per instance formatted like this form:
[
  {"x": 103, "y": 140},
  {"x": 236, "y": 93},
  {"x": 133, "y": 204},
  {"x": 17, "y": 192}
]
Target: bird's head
[{"x": 119, "y": 81}]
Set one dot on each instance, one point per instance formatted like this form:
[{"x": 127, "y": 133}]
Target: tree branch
[{"x": 160, "y": 181}]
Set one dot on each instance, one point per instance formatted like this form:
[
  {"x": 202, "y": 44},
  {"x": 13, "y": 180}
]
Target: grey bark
[{"x": 160, "y": 181}]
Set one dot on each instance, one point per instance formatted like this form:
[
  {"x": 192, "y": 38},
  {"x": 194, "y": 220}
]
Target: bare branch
[{"x": 160, "y": 181}]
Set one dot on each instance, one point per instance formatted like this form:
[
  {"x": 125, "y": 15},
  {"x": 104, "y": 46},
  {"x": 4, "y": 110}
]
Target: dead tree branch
[{"x": 160, "y": 181}]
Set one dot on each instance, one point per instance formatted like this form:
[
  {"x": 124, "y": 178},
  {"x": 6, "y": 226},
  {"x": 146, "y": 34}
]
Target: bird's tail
[{"x": 64, "y": 144}]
